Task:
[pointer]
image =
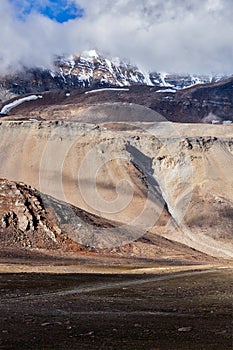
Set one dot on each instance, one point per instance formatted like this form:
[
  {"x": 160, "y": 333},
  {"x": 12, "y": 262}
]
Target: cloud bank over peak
[{"x": 173, "y": 35}]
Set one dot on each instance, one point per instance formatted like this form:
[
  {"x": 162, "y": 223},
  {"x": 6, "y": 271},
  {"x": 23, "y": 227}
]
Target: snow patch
[
  {"x": 227, "y": 122},
  {"x": 7, "y": 108},
  {"x": 146, "y": 76},
  {"x": 89, "y": 55},
  {"x": 167, "y": 90},
  {"x": 163, "y": 76},
  {"x": 62, "y": 75},
  {"x": 106, "y": 89},
  {"x": 53, "y": 74}
]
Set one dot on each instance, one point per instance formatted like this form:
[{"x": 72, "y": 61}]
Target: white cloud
[{"x": 171, "y": 35}]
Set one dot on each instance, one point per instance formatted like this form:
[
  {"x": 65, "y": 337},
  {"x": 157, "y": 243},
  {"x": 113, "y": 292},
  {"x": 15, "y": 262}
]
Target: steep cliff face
[
  {"x": 197, "y": 185},
  {"x": 165, "y": 179}
]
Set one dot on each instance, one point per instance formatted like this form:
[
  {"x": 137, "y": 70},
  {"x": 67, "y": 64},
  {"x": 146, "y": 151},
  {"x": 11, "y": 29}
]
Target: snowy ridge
[
  {"x": 180, "y": 81},
  {"x": 90, "y": 68},
  {"x": 93, "y": 70}
]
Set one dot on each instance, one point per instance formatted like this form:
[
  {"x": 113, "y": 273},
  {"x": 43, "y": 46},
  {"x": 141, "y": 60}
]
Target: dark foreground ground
[{"x": 180, "y": 310}]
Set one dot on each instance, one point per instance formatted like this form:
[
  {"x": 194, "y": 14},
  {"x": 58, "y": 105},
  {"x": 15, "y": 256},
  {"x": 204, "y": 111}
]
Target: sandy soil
[{"x": 176, "y": 310}]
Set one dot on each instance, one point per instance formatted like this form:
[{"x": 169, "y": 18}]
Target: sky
[
  {"x": 58, "y": 10},
  {"x": 183, "y": 36}
]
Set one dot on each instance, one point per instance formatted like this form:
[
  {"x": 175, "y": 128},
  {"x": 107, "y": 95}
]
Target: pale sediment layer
[{"x": 171, "y": 179}]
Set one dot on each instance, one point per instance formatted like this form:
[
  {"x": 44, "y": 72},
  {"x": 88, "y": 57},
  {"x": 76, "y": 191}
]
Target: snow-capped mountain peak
[{"x": 90, "y": 69}]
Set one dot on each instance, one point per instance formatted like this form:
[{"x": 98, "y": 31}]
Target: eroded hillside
[{"x": 164, "y": 179}]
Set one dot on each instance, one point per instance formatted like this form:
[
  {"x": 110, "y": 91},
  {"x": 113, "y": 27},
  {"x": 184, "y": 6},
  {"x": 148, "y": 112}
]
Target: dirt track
[
  {"x": 125, "y": 283},
  {"x": 188, "y": 310}
]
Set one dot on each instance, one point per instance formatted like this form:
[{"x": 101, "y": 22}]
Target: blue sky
[
  {"x": 58, "y": 10},
  {"x": 192, "y": 36}
]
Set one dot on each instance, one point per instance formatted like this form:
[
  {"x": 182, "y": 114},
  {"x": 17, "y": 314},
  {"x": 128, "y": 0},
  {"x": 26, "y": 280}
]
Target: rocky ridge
[{"x": 23, "y": 220}]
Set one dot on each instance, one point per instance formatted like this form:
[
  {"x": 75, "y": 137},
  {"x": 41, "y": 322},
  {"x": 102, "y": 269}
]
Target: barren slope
[
  {"x": 200, "y": 103},
  {"x": 175, "y": 185},
  {"x": 41, "y": 224}
]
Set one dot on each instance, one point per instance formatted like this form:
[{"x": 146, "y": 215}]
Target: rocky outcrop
[
  {"x": 31, "y": 219},
  {"x": 35, "y": 225},
  {"x": 23, "y": 220}
]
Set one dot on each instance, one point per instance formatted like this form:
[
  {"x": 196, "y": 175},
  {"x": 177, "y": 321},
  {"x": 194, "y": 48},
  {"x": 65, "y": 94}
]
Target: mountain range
[
  {"x": 100, "y": 157},
  {"x": 91, "y": 69}
]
